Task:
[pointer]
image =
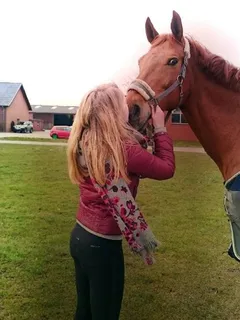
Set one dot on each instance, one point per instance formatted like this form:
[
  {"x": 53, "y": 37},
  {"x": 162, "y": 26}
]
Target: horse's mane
[{"x": 215, "y": 67}]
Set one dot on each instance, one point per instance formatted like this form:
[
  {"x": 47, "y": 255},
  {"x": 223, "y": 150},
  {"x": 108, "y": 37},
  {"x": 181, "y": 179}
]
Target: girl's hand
[{"x": 158, "y": 117}]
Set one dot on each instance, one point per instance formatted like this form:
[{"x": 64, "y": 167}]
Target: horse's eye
[{"x": 172, "y": 61}]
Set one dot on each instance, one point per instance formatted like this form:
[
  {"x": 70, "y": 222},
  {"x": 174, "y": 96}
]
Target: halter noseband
[{"x": 149, "y": 95}]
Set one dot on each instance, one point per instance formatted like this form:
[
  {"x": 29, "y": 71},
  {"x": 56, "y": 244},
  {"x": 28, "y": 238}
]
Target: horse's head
[{"x": 163, "y": 66}]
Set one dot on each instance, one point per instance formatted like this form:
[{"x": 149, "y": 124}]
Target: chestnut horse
[{"x": 179, "y": 72}]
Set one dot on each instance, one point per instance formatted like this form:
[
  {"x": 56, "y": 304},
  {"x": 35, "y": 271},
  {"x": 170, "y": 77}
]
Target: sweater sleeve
[{"x": 158, "y": 166}]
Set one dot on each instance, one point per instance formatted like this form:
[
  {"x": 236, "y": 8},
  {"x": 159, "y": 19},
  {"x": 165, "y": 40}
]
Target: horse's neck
[{"x": 213, "y": 112}]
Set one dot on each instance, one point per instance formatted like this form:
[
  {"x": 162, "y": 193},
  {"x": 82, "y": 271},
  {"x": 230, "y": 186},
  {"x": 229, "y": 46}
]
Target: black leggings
[{"x": 99, "y": 266}]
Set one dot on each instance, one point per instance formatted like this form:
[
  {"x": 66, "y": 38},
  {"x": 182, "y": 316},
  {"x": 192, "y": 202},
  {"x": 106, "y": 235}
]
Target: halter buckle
[{"x": 180, "y": 79}]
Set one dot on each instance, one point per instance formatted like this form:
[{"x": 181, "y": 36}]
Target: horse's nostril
[{"x": 135, "y": 110}]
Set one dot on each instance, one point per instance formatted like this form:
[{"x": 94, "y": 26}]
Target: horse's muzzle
[{"x": 134, "y": 114}]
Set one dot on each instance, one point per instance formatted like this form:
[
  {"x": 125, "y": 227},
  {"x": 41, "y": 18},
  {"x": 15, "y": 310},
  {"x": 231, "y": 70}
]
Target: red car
[{"x": 60, "y": 132}]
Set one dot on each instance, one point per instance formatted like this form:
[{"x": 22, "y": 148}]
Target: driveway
[{"x": 35, "y": 134}]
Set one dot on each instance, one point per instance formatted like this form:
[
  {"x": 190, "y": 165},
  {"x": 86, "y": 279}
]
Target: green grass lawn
[
  {"x": 192, "y": 279},
  {"x": 32, "y": 139},
  {"x": 176, "y": 143},
  {"x": 194, "y": 144}
]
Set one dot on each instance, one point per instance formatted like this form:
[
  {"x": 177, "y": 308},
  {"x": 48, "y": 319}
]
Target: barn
[
  {"x": 46, "y": 116},
  {"x": 14, "y": 105},
  {"x": 178, "y": 128},
  {"x": 53, "y": 115}
]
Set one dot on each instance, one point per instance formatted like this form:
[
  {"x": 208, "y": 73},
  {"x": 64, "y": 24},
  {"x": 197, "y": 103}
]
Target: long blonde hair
[{"x": 100, "y": 125}]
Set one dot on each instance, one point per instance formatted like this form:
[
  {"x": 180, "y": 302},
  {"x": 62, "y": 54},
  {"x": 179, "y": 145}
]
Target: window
[
  {"x": 67, "y": 129},
  {"x": 178, "y": 117}
]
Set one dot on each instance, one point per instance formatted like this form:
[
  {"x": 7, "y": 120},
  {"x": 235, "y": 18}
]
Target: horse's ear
[
  {"x": 151, "y": 32},
  {"x": 176, "y": 26}
]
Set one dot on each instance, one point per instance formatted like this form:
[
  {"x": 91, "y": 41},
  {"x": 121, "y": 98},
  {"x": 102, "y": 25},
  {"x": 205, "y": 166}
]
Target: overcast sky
[{"x": 59, "y": 49}]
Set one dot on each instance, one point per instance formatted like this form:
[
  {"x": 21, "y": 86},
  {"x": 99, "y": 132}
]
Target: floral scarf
[
  {"x": 123, "y": 207},
  {"x": 118, "y": 198}
]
